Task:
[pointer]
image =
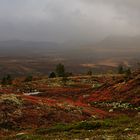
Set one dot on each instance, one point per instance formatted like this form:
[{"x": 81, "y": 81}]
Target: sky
[{"x": 68, "y": 20}]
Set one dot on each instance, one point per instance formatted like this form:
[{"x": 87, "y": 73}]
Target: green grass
[{"x": 85, "y": 125}]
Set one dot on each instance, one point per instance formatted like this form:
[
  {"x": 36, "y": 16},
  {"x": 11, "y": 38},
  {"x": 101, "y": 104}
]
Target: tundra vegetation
[{"x": 59, "y": 106}]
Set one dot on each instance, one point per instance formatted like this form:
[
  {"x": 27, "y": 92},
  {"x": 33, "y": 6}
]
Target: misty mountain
[
  {"x": 118, "y": 46},
  {"x": 120, "y": 42}
]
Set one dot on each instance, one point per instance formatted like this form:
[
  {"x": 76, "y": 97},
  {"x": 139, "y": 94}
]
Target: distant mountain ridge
[
  {"x": 109, "y": 44},
  {"x": 25, "y": 48},
  {"x": 120, "y": 42}
]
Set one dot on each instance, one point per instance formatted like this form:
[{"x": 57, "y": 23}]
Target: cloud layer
[{"x": 65, "y": 20}]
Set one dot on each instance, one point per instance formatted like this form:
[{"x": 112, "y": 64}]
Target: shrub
[
  {"x": 89, "y": 72},
  {"x": 7, "y": 125},
  {"x": 28, "y": 78},
  {"x": 7, "y": 80},
  {"x": 52, "y": 75}
]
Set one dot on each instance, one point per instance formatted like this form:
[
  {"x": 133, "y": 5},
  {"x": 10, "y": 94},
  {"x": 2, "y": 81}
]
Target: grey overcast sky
[{"x": 66, "y": 20}]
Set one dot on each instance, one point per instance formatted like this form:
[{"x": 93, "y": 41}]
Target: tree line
[{"x": 60, "y": 71}]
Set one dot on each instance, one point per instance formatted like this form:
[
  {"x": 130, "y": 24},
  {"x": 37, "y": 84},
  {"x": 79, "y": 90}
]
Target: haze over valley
[{"x": 25, "y": 57}]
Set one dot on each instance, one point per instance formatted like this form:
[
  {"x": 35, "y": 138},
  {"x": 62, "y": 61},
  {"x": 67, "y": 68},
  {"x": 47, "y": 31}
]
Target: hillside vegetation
[{"x": 87, "y": 107}]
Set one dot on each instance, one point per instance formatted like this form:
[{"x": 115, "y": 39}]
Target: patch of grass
[
  {"x": 56, "y": 128},
  {"x": 85, "y": 125},
  {"x": 122, "y": 119}
]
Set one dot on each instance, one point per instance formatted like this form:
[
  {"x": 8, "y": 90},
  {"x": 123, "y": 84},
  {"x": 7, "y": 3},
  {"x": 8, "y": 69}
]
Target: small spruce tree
[
  {"x": 120, "y": 69},
  {"x": 89, "y": 72},
  {"x": 127, "y": 73},
  {"x": 60, "y": 70}
]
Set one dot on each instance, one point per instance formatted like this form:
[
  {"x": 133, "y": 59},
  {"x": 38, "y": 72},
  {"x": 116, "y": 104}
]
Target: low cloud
[{"x": 63, "y": 20}]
